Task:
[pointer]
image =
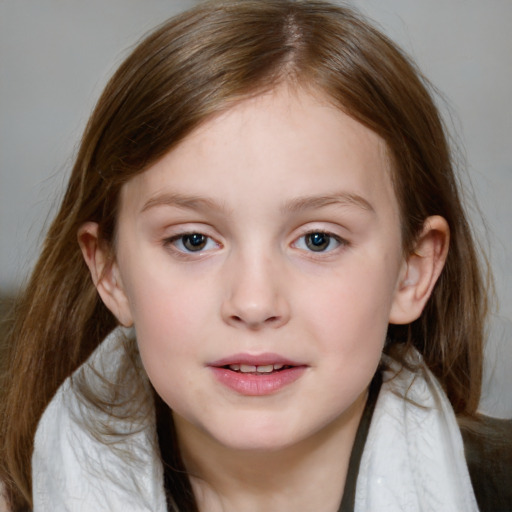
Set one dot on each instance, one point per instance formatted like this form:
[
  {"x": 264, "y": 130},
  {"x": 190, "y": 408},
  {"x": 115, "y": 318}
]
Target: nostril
[{"x": 253, "y": 323}]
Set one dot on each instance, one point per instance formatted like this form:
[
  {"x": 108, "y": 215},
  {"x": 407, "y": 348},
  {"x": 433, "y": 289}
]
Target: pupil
[
  {"x": 317, "y": 241},
  {"x": 194, "y": 242}
]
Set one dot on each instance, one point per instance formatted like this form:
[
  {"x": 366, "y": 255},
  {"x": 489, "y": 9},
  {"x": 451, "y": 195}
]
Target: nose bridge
[{"x": 255, "y": 296}]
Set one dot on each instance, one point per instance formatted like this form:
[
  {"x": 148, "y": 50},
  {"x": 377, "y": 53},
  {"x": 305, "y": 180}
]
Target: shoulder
[
  {"x": 92, "y": 452},
  {"x": 488, "y": 449}
]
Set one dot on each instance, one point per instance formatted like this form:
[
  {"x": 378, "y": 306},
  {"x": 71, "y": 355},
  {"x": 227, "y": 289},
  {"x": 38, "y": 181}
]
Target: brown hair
[{"x": 192, "y": 67}]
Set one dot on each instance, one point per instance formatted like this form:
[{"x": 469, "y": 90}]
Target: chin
[
  {"x": 258, "y": 443},
  {"x": 258, "y": 436}
]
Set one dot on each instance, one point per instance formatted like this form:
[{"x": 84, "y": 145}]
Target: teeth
[
  {"x": 265, "y": 369},
  {"x": 247, "y": 368},
  {"x": 250, "y": 368}
]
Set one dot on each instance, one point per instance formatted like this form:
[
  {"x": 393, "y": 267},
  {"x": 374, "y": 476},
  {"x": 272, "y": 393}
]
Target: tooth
[
  {"x": 265, "y": 369},
  {"x": 247, "y": 368},
  {"x": 277, "y": 366},
  {"x": 234, "y": 367}
]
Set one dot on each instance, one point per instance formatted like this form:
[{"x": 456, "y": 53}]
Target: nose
[{"x": 255, "y": 297}]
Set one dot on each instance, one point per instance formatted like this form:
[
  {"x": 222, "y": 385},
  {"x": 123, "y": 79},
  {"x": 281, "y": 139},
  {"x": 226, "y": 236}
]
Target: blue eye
[
  {"x": 192, "y": 242},
  {"x": 318, "y": 241}
]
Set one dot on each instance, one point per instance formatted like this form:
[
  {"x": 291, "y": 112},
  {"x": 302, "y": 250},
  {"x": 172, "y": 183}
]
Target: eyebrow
[
  {"x": 190, "y": 202},
  {"x": 337, "y": 199}
]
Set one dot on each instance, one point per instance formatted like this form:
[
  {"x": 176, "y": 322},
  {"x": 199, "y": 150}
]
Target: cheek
[
  {"x": 168, "y": 317},
  {"x": 169, "y": 338},
  {"x": 163, "y": 299},
  {"x": 168, "y": 321},
  {"x": 351, "y": 313}
]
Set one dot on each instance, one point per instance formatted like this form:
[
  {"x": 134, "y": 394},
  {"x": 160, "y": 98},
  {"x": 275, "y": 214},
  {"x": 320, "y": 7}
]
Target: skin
[{"x": 257, "y": 181}]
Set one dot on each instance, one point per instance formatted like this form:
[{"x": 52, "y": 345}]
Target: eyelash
[{"x": 203, "y": 241}]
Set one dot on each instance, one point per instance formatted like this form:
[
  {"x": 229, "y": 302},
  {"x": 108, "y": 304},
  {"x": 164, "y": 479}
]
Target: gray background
[{"x": 56, "y": 55}]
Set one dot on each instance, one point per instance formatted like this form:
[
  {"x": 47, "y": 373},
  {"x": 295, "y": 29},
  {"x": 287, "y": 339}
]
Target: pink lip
[{"x": 249, "y": 384}]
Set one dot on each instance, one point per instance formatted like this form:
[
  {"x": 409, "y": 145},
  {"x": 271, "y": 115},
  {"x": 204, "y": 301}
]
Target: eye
[
  {"x": 192, "y": 242},
  {"x": 318, "y": 241}
]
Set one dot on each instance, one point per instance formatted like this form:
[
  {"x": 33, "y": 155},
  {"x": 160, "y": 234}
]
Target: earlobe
[
  {"x": 420, "y": 271},
  {"x": 104, "y": 272}
]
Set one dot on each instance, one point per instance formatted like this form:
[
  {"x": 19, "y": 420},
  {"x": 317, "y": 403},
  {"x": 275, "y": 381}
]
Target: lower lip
[{"x": 249, "y": 384}]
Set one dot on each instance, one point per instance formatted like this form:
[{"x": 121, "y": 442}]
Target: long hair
[{"x": 191, "y": 68}]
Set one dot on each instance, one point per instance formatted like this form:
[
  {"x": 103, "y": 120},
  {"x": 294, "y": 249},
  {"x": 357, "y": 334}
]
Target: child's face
[{"x": 270, "y": 236}]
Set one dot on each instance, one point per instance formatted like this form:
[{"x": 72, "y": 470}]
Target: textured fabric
[
  {"x": 413, "y": 459},
  {"x": 73, "y": 471}
]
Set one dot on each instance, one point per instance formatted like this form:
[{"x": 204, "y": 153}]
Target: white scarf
[{"x": 413, "y": 460}]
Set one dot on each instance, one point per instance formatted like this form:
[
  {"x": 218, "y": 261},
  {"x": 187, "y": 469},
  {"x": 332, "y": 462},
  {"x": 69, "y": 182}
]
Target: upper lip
[{"x": 255, "y": 360}]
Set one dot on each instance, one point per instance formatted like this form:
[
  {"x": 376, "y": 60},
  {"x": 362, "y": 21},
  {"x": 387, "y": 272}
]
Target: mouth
[
  {"x": 257, "y": 375},
  {"x": 257, "y": 369},
  {"x": 256, "y": 364}
]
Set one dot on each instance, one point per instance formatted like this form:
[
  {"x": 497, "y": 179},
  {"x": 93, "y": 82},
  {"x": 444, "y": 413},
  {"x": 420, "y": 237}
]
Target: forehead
[{"x": 291, "y": 141}]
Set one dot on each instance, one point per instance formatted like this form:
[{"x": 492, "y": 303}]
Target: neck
[{"x": 297, "y": 477}]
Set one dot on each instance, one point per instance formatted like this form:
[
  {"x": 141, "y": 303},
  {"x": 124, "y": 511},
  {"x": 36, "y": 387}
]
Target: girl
[{"x": 261, "y": 291}]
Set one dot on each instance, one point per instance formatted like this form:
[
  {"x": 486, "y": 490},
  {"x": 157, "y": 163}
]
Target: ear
[
  {"x": 420, "y": 271},
  {"x": 104, "y": 272}
]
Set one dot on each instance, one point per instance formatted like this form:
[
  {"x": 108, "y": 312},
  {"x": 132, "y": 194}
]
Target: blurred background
[{"x": 56, "y": 56}]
